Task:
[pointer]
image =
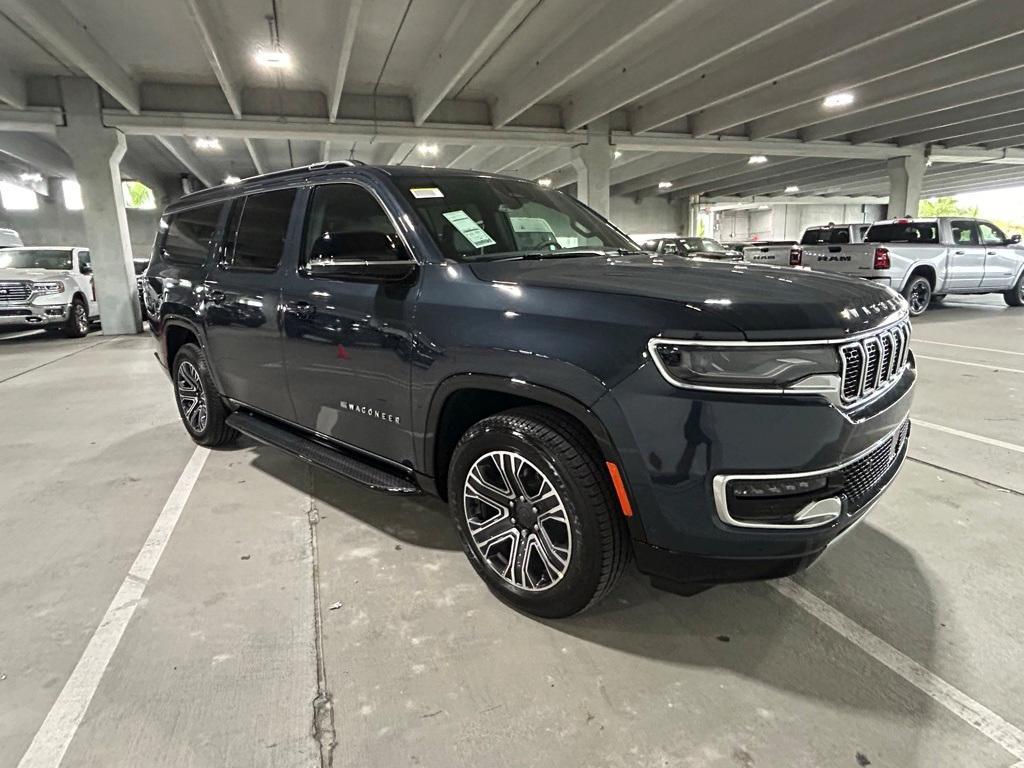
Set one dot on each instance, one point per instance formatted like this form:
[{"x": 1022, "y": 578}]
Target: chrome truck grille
[
  {"x": 872, "y": 364},
  {"x": 11, "y": 292}
]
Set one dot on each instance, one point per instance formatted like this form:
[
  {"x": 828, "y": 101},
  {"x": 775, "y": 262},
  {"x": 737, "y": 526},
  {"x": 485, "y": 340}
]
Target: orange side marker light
[{"x": 620, "y": 489}]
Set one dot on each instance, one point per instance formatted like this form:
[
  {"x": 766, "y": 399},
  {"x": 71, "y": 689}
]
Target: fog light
[
  {"x": 54, "y": 311},
  {"x": 747, "y": 489}
]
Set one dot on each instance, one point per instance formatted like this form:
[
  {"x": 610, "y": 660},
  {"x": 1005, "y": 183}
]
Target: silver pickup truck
[
  {"x": 926, "y": 259},
  {"x": 819, "y": 241}
]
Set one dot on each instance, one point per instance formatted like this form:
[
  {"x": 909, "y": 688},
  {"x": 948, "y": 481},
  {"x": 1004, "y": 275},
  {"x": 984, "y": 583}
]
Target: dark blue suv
[{"x": 575, "y": 399}]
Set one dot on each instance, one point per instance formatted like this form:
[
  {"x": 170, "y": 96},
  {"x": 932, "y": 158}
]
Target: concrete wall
[
  {"x": 53, "y": 224},
  {"x": 787, "y": 222},
  {"x": 652, "y": 215}
]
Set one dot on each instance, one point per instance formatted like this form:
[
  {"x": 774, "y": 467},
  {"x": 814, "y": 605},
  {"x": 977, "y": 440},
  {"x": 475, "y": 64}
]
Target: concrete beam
[
  {"x": 31, "y": 119},
  {"x": 348, "y": 13},
  {"x": 611, "y": 29},
  {"x": 738, "y": 173},
  {"x": 42, "y": 154},
  {"x": 181, "y": 150},
  {"x": 758, "y": 200},
  {"x": 66, "y": 38},
  {"x": 212, "y": 38},
  {"x": 689, "y": 167},
  {"x": 259, "y": 158},
  {"x": 12, "y": 87},
  {"x": 547, "y": 163},
  {"x": 401, "y": 153},
  {"x": 478, "y": 29},
  {"x": 1007, "y": 156}
]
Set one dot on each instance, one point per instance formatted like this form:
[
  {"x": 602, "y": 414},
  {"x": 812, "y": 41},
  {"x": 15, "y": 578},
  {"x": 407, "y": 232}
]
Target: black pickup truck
[{"x": 577, "y": 401}]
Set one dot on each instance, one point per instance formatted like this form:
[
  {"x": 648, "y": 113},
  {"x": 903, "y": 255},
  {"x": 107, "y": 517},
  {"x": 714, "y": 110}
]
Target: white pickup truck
[
  {"x": 930, "y": 258},
  {"x": 48, "y": 287},
  {"x": 822, "y": 242}
]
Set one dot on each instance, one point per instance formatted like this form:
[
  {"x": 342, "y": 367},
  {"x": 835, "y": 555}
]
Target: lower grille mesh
[{"x": 861, "y": 479}]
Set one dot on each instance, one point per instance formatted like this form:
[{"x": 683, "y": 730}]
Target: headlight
[
  {"x": 45, "y": 288},
  {"x": 768, "y": 368}
]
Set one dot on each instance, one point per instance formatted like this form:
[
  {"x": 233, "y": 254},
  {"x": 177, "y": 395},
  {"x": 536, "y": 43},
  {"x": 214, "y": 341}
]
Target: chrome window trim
[{"x": 721, "y": 482}]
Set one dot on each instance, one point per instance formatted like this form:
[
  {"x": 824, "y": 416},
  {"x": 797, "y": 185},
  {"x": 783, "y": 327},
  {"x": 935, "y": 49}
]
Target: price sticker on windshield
[{"x": 469, "y": 229}]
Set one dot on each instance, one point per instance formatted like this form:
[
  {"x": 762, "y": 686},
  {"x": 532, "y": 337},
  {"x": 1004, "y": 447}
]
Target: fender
[
  {"x": 940, "y": 281},
  {"x": 196, "y": 330}
]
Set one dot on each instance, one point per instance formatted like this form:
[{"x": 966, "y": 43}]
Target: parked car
[
  {"x": 573, "y": 405},
  {"x": 47, "y": 287},
  {"x": 693, "y": 247},
  {"x": 826, "y": 241},
  {"x": 139, "y": 265},
  {"x": 926, "y": 258},
  {"x": 772, "y": 252},
  {"x": 9, "y": 238}
]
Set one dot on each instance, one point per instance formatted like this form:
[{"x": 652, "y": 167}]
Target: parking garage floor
[{"x": 269, "y": 610}]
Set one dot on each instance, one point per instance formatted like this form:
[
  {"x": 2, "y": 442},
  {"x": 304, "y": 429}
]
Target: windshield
[
  {"x": 476, "y": 218},
  {"x": 35, "y": 258},
  {"x": 704, "y": 244},
  {"x": 906, "y": 232}
]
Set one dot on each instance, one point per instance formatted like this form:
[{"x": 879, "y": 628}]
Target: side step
[{"x": 345, "y": 464}]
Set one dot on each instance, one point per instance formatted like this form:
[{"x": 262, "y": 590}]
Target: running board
[{"x": 345, "y": 464}]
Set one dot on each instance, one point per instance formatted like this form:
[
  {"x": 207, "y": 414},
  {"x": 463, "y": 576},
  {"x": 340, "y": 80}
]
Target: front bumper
[
  {"x": 33, "y": 315},
  {"x": 677, "y": 448}
]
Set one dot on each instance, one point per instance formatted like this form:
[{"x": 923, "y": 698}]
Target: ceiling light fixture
[
  {"x": 229, "y": 179},
  {"x": 618, "y": 154},
  {"x": 757, "y": 160},
  {"x": 208, "y": 144},
  {"x": 792, "y": 188},
  {"x": 31, "y": 178},
  {"x": 664, "y": 184},
  {"x": 838, "y": 100},
  {"x": 273, "y": 55},
  {"x": 427, "y": 150},
  {"x": 545, "y": 182}
]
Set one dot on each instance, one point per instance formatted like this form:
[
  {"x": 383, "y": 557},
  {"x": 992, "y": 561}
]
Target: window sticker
[
  {"x": 421, "y": 193},
  {"x": 529, "y": 224},
  {"x": 469, "y": 229}
]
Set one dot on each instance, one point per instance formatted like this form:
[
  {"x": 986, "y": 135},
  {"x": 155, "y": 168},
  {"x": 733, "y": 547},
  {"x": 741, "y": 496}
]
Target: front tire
[
  {"x": 201, "y": 409},
  {"x": 918, "y": 293},
  {"x": 535, "y": 512},
  {"x": 1015, "y": 296},
  {"x": 77, "y": 324}
]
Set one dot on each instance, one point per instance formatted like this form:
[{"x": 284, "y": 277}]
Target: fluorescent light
[
  {"x": 618, "y": 154},
  {"x": 664, "y": 184},
  {"x": 72, "y": 193},
  {"x": 229, "y": 179},
  {"x": 428, "y": 150},
  {"x": 792, "y": 188},
  {"x": 208, "y": 144},
  {"x": 31, "y": 178},
  {"x": 757, "y": 160},
  {"x": 838, "y": 100},
  {"x": 275, "y": 57},
  {"x": 545, "y": 182},
  {"x": 15, "y": 198}
]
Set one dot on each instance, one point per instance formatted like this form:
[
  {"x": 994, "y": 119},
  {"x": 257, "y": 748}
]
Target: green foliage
[
  {"x": 138, "y": 195},
  {"x": 945, "y": 206}
]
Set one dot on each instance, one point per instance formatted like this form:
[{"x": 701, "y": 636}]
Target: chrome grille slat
[
  {"x": 873, "y": 364},
  {"x": 12, "y": 292}
]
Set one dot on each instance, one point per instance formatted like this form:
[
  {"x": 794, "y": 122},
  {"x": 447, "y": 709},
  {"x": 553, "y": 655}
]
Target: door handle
[
  {"x": 217, "y": 297},
  {"x": 991, "y": 253},
  {"x": 959, "y": 253},
  {"x": 301, "y": 309}
]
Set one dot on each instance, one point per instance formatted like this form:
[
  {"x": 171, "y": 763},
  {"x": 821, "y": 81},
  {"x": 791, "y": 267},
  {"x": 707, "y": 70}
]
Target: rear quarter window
[{"x": 189, "y": 234}]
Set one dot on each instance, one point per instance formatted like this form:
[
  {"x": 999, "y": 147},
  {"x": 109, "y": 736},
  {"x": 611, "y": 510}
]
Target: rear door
[
  {"x": 966, "y": 256},
  {"x": 348, "y": 334},
  {"x": 84, "y": 268},
  {"x": 1001, "y": 261},
  {"x": 242, "y": 297}
]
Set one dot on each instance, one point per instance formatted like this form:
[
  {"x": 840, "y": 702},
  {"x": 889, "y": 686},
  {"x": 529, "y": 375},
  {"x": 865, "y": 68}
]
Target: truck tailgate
[{"x": 850, "y": 259}]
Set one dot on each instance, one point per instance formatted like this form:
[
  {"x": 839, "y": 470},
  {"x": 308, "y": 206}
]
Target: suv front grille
[
  {"x": 862, "y": 478},
  {"x": 12, "y": 292},
  {"x": 874, "y": 363}
]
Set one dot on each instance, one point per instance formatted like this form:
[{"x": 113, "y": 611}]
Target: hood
[
  {"x": 765, "y": 303},
  {"x": 9, "y": 273}
]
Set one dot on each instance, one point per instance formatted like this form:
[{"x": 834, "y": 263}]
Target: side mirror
[
  {"x": 360, "y": 256},
  {"x": 1014, "y": 239},
  {"x": 85, "y": 269}
]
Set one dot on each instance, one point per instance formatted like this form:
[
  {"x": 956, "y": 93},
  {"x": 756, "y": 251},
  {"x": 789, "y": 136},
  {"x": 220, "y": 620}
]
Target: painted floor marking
[
  {"x": 975, "y": 714},
  {"x": 970, "y": 436},
  {"x": 58, "y": 729},
  {"x": 988, "y": 367},
  {"x": 916, "y": 340}
]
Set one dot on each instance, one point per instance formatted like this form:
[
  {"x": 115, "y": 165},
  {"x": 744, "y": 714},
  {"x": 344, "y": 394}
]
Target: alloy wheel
[
  {"x": 517, "y": 520},
  {"x": 919, "y": 296},
  {"x": 192, "y": 397},
  {"x": 81, "y": 318}
]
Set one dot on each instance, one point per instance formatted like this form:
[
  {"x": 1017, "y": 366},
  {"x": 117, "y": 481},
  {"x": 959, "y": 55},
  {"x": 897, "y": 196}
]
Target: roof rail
[{"x": 313, "y": 167}]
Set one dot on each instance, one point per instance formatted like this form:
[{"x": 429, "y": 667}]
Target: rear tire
[
  {"x": 535, "y": 512},
  {"x": 199, "y": 404},
  {"x": 1015, "y": 296},
  {"x": 918, "y": 293},
  {"x": 77, "y": 324}
]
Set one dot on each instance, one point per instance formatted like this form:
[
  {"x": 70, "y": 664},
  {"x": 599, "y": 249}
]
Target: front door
[
  {"x": 966, "y": 257},
  {"x": 242, "y": 298},
  {"x": 348, "y": 312},
  {"x": 1001, "y": 261}
]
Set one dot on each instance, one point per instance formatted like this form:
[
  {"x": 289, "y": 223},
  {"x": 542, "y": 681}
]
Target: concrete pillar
[
  {"x": 691, "y": 210},
  {"x": 906, "y": 175},
  {"x": 593, "y": 164},
  {"x": 96, "y": 153}
]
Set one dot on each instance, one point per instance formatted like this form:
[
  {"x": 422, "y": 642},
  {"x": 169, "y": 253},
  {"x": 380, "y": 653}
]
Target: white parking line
[
  {"x": 58, "y": 729},
  {"x": 970, "y": 436},
  {"x": 975, "y": 714},
  {"x": 972, "y": 365},
  {"x": 965, "y": 346}
]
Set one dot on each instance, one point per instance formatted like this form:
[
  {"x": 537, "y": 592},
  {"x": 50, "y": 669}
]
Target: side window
[
  {"x": 863, "y": 231},
  {"x": 346, "y": 223},
  {"x": 670, "y": 247},
  {"x": 964, "y": 232},
  {"x": 84, "y": 262},
  {"x": 991, "y": 234},
  {"x": 839, "y": 236},
  {"x": 189, "y": 233},
  {"x": 259, "y": 225}
]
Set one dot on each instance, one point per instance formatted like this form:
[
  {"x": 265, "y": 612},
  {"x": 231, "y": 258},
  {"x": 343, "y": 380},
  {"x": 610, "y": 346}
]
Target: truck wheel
[
  {"x": 918, "y": 294},
  {"x": 1015, "y": 296},
  {"x": 77, "y": 324},
  {"x": 535, "y": 512},
  {"x": 201, "y": 409}
]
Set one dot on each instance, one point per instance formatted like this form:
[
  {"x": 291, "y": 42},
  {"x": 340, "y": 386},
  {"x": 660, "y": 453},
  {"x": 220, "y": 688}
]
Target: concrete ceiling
[{"x": 689, "y": 88}]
